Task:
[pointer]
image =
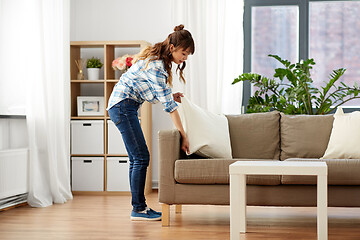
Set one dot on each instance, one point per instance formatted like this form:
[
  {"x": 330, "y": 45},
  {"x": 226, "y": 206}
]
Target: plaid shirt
[{"x": 144, "y": 84}]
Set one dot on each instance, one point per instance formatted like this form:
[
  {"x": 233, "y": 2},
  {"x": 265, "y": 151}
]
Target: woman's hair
[{"x": 180, "y": 38}]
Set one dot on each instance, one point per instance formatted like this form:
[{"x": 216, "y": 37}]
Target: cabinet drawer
[
  {"x": 87, "y": 173},
  {"x": 115, "y": 142},
  {"x": 117, "y": 174},
  {"x": 87, "y": 137}
]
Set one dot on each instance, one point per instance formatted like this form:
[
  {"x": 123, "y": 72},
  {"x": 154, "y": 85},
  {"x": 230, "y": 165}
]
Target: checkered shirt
[{"x": 144, "y": 83}]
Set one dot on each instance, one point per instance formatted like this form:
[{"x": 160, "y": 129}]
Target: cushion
[
  {"x": 340, "y": 172},
  {"x": 345, "y": 136},
  {"x": 255, "y": 135},
  {"x": 304, "y": 136},
  {"x": 208, "y": 132},
  {"x": 216, "y": 171}
]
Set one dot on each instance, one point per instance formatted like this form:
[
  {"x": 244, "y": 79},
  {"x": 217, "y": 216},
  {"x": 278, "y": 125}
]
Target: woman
[{"x": 149, "y": 79}]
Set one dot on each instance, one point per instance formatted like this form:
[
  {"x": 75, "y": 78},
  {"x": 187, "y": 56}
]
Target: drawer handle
[
  {"x": 122, "y": 161},
  {"x": 87, "y": 161},
  {"x": 87, "y": 124}
]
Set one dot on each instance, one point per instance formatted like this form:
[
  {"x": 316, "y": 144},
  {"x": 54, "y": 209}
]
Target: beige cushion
[
  {"x": 255, "y": 135},
  {"x": 304, "y": 136},
  {"x": 345, "y": 136},
  {"x": 215, "y": 171},
  {"x": 208, "y": 133},
  {"x": 340, "y": 172}
]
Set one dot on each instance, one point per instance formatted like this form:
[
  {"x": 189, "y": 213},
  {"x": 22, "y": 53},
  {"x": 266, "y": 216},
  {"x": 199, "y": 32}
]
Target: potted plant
[
  {"x": 291, "y": 90},
  {"x": 93, "y": 66}
]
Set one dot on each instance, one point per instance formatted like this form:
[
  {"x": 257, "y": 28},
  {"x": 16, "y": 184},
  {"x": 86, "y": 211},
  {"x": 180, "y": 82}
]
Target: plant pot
[{"x": 93, "y": 73}]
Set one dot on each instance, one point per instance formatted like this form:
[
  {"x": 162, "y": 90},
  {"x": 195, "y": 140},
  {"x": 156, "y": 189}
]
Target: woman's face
[{"x": 179, "y": 55}]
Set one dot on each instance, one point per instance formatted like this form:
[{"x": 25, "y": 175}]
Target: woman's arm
[{"x": 177, "y": 122}]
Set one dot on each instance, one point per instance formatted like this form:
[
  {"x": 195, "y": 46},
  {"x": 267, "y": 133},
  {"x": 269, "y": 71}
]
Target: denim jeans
[{"x": 125, "y": 116}]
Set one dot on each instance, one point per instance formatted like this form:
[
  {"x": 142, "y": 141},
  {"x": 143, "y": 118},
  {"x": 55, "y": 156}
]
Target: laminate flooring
[{"x": 108, "y": 217}]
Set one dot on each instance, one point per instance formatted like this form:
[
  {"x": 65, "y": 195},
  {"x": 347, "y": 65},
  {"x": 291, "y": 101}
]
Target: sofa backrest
[
  {"x": 255, "y": 135},
  {"x": 304, "y": 136}
]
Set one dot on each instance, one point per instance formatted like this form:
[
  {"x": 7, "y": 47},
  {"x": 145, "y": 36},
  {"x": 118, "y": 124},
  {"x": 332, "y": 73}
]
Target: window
[
  {"x": 327, "y": 31},
  {"x": 281, "y": 38}
]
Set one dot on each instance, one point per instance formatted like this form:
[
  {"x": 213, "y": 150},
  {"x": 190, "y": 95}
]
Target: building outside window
[{"x": 328, "y": 31}]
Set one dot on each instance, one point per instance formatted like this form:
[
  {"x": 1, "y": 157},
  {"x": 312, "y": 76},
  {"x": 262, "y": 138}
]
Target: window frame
[{"x": 304, "y": 30}]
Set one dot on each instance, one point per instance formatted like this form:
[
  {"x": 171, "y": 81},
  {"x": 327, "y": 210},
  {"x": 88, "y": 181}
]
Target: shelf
[
  {"x": 98, "y": 155},
  {"x": 88, "y": 81},
  {"x": 115, "y": 155},
  {"x": 93, "y": 118},
  {"x": 130, "y": 44},
  {"x": 90, "y": 118},
  {"x": 107, "y": 51},
  {"x": 87, "y": 155}
]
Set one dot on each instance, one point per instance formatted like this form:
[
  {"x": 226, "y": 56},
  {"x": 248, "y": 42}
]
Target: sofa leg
[
  {"x": 178, "y": 209},
  {"x": 165, "y": 218}
]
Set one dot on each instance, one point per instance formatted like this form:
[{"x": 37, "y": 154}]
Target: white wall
[{"x": 114, "y": 20}]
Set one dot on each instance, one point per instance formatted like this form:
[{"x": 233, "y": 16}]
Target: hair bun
[{"x": 179, "y": 27}]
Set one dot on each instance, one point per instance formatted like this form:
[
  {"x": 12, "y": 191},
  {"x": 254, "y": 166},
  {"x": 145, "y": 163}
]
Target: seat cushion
[
  {"x": 255, "y": 135},
  {"x": 304, "y": 136},
  {"x": 216, "y": 171},
  {"x": 340, "y": 172}
]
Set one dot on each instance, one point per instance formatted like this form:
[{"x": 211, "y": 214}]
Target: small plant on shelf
[
  {"x": 94, "y": 63},
  {"x": 93, "y": 66}
]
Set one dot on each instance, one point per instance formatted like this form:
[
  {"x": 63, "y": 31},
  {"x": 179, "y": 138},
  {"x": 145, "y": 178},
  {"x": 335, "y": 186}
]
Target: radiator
[{"x": 13, "y": 174}]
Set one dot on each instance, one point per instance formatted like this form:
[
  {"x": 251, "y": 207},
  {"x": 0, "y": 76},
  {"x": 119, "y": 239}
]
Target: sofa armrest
[{"x": 169, "y": 152}]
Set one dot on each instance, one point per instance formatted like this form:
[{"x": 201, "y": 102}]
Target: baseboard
[{"x": 155, "y": 184}]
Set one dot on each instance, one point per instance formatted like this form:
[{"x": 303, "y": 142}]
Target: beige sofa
[{"x": 269, "y": 136}]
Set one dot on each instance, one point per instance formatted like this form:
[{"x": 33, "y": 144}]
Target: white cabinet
[
  {"x": 117, "y": 174},
  {"x": 115, "y": 142},
  {"x": 87, "y": 173},
  {"x": 87, "y": 137}
]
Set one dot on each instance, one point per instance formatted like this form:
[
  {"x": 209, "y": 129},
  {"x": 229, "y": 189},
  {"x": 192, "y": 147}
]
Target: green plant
[
  {"x": 291, "y": 90},
  {"x": 93, "y": 63}
]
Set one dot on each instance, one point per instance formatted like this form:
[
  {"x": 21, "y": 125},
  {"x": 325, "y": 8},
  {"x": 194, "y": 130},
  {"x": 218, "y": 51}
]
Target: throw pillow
[
  {"x": 345, "y": 136},
  {"x": 208, "y": 132}
]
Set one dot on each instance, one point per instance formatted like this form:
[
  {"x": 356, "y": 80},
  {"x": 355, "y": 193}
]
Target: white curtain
[
  {"x": 217, "y": 28},
  {"x": 41, "y": 70}
]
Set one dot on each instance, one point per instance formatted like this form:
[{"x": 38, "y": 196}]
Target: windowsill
[{"x": 13, "y": 116}]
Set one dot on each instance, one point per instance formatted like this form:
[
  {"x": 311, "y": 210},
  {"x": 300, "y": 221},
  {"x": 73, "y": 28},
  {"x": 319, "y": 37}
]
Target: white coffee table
[{"x": 240, "y": 169}]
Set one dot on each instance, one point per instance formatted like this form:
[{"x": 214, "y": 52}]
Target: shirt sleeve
[{"x": 161, "y": 91}]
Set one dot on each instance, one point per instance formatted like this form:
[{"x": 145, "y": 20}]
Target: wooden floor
[{"x": 107, "y": 217}]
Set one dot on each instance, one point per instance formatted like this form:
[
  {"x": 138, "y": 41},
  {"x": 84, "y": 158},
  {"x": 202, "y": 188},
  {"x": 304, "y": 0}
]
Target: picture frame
[{"x": 90, "y": 106}]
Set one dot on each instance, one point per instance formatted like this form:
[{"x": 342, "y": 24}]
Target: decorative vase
[
  {"x": 93, "y": 73},
  {"x": 80, "y": 75}
]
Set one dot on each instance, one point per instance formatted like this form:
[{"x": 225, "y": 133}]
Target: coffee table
[{"x": 240, "y": 169}]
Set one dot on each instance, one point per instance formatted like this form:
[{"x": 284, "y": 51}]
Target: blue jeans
[{"x": 125, "y": 116}]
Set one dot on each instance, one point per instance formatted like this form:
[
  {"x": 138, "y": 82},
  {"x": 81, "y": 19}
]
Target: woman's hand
[
  {"x": 177, "y": 122},
  {"x": 177, "y": 97},
  {"x": 185, "y": 144}
]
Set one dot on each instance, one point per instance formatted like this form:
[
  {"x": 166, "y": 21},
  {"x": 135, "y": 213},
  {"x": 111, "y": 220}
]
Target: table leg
[
  {"x": 242, "y": 202},
  {"x": 322, "y": 202},
  {"x": 237, "y": 205}
]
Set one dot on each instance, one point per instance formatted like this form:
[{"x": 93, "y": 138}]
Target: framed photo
[{"x": 90, "y": 106}]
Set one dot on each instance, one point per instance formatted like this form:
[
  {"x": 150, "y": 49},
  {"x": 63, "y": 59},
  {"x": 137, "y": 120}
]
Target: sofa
[{"x": 271, "y": 136}]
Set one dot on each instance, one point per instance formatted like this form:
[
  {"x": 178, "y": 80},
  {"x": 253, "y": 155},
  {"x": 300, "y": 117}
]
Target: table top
[{"x": 278, "y": 167}]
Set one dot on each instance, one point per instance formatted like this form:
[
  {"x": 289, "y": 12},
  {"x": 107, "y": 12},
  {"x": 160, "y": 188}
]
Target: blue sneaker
[
  {"x": 147, "y": 215},
  {"x": 153, "y": 211}
]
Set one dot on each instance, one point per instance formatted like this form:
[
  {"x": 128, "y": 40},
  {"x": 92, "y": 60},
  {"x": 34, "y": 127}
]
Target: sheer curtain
[
  {"x": 42, "y": 70},
  {"x": 217, "y": 28}
]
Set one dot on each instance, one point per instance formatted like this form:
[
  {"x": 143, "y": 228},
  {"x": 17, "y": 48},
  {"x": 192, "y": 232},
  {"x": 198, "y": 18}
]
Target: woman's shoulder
[{"x": 157, "y": 63}]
